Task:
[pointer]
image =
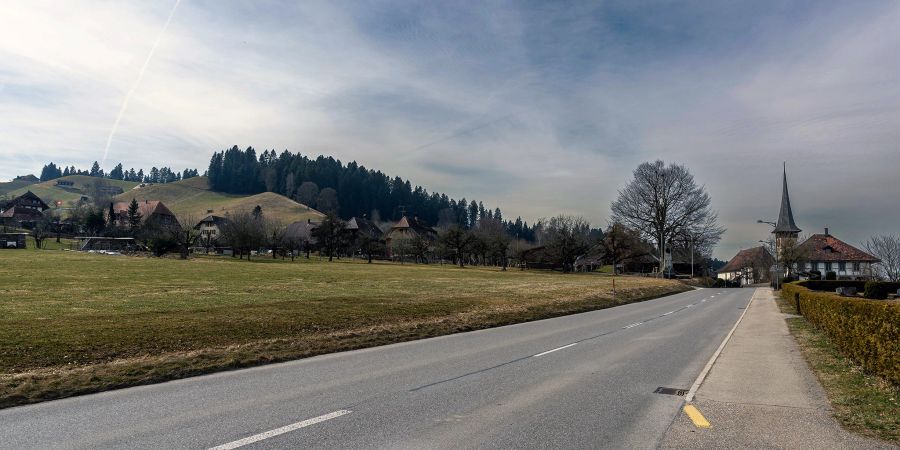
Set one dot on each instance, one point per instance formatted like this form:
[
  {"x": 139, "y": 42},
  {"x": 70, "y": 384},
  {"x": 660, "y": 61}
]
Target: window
[
  {"x": 828, "y": 267},
  {"x": 813, "y": 265},
  {"x": 842, "y": 266},
  {"x": 856, "y": 267}
]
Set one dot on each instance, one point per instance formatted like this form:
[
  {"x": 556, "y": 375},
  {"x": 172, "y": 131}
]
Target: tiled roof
[
  {"x": 825, "y": 247},
  {"x": 20, "y": 212},
  {"x": 28, "y": 199},
  {"x": 748, "y": 258},
  {"x": 413, "y": 224},
  {"x": 147, "y": 208},
  {"x": 365, "y": 226}
]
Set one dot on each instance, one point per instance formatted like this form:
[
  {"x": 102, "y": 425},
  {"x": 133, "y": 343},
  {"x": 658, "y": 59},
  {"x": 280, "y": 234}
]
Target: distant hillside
[
  {"x": 19, "y": 183},
  {"x": 51, "y": 193},
  {"x": 192, "y": 197}
]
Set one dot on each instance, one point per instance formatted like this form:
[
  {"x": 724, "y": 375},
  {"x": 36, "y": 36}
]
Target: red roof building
[
  {"x": 151, "y": 210},
  {"x": 749, "y": 266},
  {"x": 826, "y": 253}
]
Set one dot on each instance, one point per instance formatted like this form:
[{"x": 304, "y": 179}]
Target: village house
[
  {"x": 211, "y": 227},
  {"x": 153, "y": 212},
  {"x": 826, "y": 253},
  {"x": 749, "y": 266},
  {"x": 23, "y": 210},
  {"x": 362, "y": 227},
  {"x": 407, "y": 229}
]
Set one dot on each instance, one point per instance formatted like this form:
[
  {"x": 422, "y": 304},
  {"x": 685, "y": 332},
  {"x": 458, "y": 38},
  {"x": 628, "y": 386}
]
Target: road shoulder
[{"x": 760, "y": 393}]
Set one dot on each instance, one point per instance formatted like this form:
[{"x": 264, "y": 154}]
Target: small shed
[{"x": 13, "y": 240}]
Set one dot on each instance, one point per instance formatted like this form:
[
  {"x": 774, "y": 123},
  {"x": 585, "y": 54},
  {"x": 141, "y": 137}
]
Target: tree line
[
  {"x": 155, "y": 175},
  {"x": 348, "y": 190}
]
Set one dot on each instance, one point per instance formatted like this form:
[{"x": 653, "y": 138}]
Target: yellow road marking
[{"x": 696, "y": 417}]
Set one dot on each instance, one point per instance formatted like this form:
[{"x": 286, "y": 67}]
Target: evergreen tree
[
  {"x": 134, "y": 216},
  {"x": 95, "y": 170},
  {"x": 50, "y": 172},
  {"x": 117, "y": 173}
]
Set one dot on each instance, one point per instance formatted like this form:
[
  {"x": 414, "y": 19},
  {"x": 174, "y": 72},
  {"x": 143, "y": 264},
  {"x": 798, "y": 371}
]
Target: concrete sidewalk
[{"x": 760, "y": 393}]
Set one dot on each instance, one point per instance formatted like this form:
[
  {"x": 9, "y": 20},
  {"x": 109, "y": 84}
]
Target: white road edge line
[
  {"x": 670, "y": 312},
  {"x": 555, "y": 350},
  {"x": 280, "y": 431},
  {"x": 691, "y": 393}
]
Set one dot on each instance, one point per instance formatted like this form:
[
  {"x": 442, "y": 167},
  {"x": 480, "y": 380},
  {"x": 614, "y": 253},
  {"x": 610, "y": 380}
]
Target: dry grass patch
[{"x": 73, "y": 323}]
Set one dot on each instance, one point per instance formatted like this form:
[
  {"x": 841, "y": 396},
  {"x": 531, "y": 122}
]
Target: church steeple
[{"x": 786, "y": 226}]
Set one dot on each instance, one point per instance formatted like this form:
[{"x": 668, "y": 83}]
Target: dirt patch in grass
[
  {"x": 862, "y": 403},
  {"x": 73, "y": 323}
]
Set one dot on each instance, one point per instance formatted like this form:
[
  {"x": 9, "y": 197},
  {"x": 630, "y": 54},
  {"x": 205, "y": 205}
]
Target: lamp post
[{"x": 775, "y": 247}]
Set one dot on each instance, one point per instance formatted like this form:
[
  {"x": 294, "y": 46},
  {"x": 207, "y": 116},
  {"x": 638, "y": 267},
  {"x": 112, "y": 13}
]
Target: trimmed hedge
[
  {"x": 877, "y": 290},
  {"x": 866, "y": 331}
]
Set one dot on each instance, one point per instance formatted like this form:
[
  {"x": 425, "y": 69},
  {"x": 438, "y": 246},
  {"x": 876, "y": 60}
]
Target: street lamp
[{"x": 775, "y": 273}]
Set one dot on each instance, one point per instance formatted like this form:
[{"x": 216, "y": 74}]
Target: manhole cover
[{"x": 670, "y": 391}]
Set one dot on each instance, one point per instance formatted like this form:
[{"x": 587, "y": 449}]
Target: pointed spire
[{"x": 786, "y": 215}]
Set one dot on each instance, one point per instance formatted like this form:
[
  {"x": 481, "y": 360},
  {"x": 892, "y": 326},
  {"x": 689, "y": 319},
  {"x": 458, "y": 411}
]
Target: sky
[{"x": 540, "y": 108}]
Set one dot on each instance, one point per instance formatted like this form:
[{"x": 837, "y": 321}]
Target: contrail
[{"x": 137, "y": 83}]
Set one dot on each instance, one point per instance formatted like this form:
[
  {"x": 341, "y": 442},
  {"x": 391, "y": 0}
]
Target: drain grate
[{"x": 670, "y": 391}]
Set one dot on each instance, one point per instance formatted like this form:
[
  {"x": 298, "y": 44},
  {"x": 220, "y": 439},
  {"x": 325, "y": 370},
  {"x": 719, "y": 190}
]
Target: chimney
[{"x": 826, "y": 231}]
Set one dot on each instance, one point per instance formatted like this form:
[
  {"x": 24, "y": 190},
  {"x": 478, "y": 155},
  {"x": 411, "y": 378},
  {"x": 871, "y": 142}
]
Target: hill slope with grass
[
  {"x": 50, "y": 193},
  {"x": 10, "y": 186},
  {"x": 193, "y": 198}
]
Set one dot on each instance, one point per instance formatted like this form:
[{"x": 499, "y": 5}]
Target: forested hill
[{"x": 352, "y": 190}]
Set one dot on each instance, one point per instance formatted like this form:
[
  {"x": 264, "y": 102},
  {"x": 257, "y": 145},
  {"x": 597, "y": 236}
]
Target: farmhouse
[
  {"x": 749, "y": 266},
  {"x": 23, "y": 210},
  {"x": 26, "y": 201},
  {"x": 363, "y": 227},
  {"x": 826, "y": 253},
  {"x": 407, "y": 228},
  {"x": 211, "y": 227},
  {"x": 152, "y": 212}
]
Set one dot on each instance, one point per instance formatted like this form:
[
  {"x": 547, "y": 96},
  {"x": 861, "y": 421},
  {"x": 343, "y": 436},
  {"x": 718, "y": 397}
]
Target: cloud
[{"x": 536, "y": 107}]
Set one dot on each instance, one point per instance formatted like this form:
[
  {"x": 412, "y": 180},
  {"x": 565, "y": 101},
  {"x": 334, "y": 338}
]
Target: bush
[
  {"x": 815, "y": 275},
  {"x": 830, "y": 286},
  {"x": 876, "y": 290},
  {"x": 830, "y": 275},
  {"x": 866, "y": 331}
]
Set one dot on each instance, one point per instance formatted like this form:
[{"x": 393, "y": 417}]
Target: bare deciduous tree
[
  {"x": 793, "y": 255},
  {"x": 621, "y": 243},
  {"x": 187, "y": 234},
  {"x": 275, "y": 235},
  {"x": 243, "y": 232},
  {"x": 885, "y": 247},
  {"x": 565, "y": 238},
  {"x": 664, "y": 202}
]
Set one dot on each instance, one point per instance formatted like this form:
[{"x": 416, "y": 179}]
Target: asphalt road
[{"x": 581, "y": 381}]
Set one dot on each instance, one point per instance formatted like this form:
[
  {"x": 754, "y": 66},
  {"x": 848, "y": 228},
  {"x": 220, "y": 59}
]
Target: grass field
[
  {"x": 7, "y": 187},
  {"x": 74, "y": 323},
  {"x": 192, "y": 197},
  {"x": 50, "y": 193},
  {"x": 187, "y": 198}
]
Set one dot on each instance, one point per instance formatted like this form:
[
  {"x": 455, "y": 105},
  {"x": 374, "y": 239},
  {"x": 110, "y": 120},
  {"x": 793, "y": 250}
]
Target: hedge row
[
  {"x": 873, "y": 289},
  {"x": 866, "y": 331}
]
